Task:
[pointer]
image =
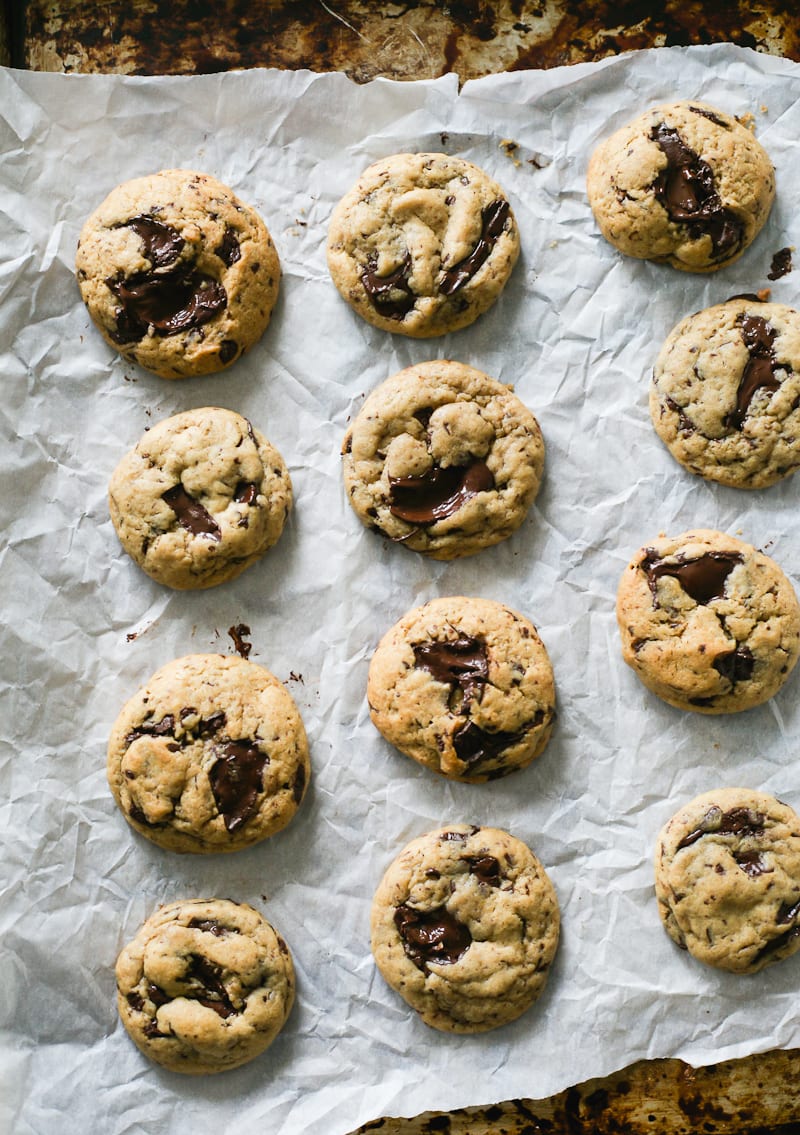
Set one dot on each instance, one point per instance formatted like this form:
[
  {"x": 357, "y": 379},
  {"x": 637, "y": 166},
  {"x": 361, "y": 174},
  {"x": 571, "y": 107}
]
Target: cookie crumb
[{"x": 510, "y": 148}]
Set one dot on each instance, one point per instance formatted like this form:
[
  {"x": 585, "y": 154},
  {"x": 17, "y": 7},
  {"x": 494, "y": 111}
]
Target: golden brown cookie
[
  {"x": 465, "y": 926},
  {"x": 210, "y": 755},
  {"x": 178, "y": 274},
  {"x": 707, "y": 622},
  {"x": 206, "y": 985}
]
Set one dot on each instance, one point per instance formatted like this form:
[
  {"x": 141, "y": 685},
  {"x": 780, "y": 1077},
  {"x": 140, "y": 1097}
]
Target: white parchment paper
[{"x": 576, "y": 331}]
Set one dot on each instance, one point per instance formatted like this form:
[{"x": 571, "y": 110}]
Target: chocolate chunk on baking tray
[
  {"x": 438, "y": 493},
  {"x": 687, "y": 190},
  {"x": 236, "y": 781},
  {"x": 191, "y": 514},
  {"x": 703, "y": 578},
  {"x": 759, "y": 373},
  {"x": 431, "y": 936}
]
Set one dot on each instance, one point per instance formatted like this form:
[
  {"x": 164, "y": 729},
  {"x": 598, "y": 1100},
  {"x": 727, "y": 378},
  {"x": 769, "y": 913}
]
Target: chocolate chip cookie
[
  {"x": 465, "y": 687},
  {"x": 728, "y": 879},
  {"x": 422, "y": 244},
  {"x": 707, "y": 622},
  {"x": 205, "y": 985},
  {"x": 684, "y": 184},
  {"x": 210, "y": 755},
  {"x": 443, "y": 460},
  {"x": 200, "y": 498},
  {"x": 179, "y": 275},
  {"x": 465, "y": 926},
  {"x": 725, "y": 397}
]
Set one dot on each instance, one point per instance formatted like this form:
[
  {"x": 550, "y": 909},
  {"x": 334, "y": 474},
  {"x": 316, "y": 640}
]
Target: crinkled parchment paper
[{"x": 576, "y": 332}]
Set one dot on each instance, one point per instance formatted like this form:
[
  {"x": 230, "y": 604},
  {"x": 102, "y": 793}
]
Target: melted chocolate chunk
[
  {"x": 685, "y": 423},
  {"x": 390, "y": 295},
  {"x": 702, "y": 579},
  {"x": 759, "y": 374},
  {"x": 228, "y": 350},
  {"x": 778, "y": 943},
  {"x": 787, "y": 913},
  {"x": 191, "y": 514},
  {"x": 241, "y": 646},
  {"x": 752, "y": 863},
  {"x": 166, "y": 304},
  {"x": 464, "y": 663},
  {"x": 737, "y": 666},
  {"x": 473, "y": 744},
  {"x": 299, "y": 784},
  {"x": 781, "y": 264},
  {"x": 739, "y": 821},
  {"x": 136, "y": 1001},
  {"x": 157, "y": 995},
  {"x": 424, "y": 416},
  {"x": 456, "y": 837},
  {"x": 431, "y": 936},
  {"x": 162, "y": 243},
  {"x": 208, "y": 726},
  {"x": 211, "y": 926},
  {"x": 687, "y": 190},
  {"x": 438, "y": 493},
  {"x": 493, "y": 219},
  {"x": 236, "y": 781},
  {"x": 246, "y": 492},
  {"x": 230, "y": 250},
  {"x": 486, "y": 868},
  {"x": 208, "y": 975},
  {"x": 162, "y": 728}
]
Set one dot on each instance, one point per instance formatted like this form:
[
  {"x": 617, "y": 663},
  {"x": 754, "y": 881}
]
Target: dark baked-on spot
[
  {"x": 493, "y": 220},
  {"x": 703, "y": 578},
  {"x": 236, "y": 780},
  {"x": 431, "y": 936},
  {"x": 438, "y": 493},
  {"x": 759, "y": 373},
  {"x": 687, "y": 190},
  {"x": 191, "y": 514}
]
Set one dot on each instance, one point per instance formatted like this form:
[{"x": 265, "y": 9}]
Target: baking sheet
[{"x": 576, "y": 332}]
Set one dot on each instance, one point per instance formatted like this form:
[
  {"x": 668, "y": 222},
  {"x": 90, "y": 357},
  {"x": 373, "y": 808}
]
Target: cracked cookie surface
[
  {"x": 205, "y": 985},
  {"x": 728, "y": 879},
  {"x": 684, "y": 184},
  {"x": 465, "y": 687},
  {"x": 443, "y": 459},
  {"x": 178, "y": 274},
  {"x": 707, "y": 622},
  {"x": 200, "y": 498},
  {"x": 422, "y": 244},
  {"x": 465, "y": 926},
  {"x": 725, "y": 397},
  {"x": 210, "y": 755}
]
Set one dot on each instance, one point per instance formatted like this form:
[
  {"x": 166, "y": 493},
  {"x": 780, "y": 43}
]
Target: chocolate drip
[
  {"x": 209, "y": 976},
  {"x": 431, "y": 936},
  {"x": 473, "y": 744},
  {"x": 739, "y": 821},
  {"x": 162, "y": 243},
  {"x": 390, "y": 295},
  {"x": 191, "y": 514},
  {"x": 687, "y": 190},
  {"x": 240, "y": 645},
  {"x": 464, "y": 662},
  {"x": 486, "y": 868},
  {"x": 781, "y": 264},
  {"x": 438, "y": 493},
  {"x": 759, "y": 338},
  {"x": 236, "y": 781},
  {"x": 493, "y": 219},
  {"x": 165, "y": 304},
  {"x": 778, "y": 943},
  {"x": 737, "y": 666},
  {"x": 702, "y": 579},
  {"x": 230, "y": 250}
]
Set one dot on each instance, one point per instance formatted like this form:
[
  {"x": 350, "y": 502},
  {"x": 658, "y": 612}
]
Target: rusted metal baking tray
[{"x": 422, "y": 39}]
